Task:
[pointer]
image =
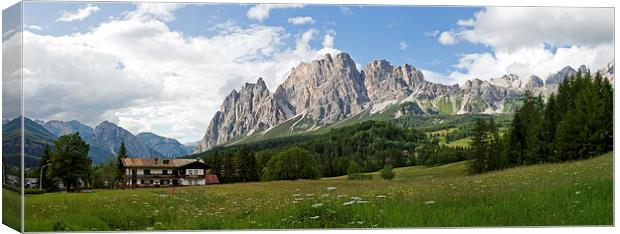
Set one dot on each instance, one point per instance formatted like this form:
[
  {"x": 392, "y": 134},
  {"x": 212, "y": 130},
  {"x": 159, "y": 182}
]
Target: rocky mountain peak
[{"x": 328, "y": 90}]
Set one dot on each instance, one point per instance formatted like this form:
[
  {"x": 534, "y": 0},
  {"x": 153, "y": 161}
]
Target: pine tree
[
  {"x": 216, "y": 165},
  {"x": 495, "y": 147},
  {"x": 230, "y": 169},
  {"x": 49, "y": 183},
  {"x": 534, "y": 147},
  {"x": 550, "y": 121},
  {"x": 122, "y": 153},
  {"x": 247, "y": 165},
  {"x": 479, "y": 148}
]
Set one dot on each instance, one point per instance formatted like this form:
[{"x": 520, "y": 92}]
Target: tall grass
[{"x": 572, "y": 193}]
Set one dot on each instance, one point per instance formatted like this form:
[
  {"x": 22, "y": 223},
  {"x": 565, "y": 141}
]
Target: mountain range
[
  {"x": 331, "y": 90},
  {"x": 104, "y": 140}
]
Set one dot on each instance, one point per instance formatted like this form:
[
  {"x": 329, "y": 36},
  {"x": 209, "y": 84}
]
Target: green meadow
[{"x": 570, "y": 193}]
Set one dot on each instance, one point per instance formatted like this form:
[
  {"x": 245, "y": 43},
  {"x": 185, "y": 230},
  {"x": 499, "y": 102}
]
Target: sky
[{"x": 166, "y": 67}]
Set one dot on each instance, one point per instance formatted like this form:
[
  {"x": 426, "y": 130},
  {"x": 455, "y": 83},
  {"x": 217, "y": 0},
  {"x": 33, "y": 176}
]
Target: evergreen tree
[
  {"x": 49, "y": 183},
  {"x": 550, "y": 120},
  {"x": 534, "y": 147},
  {"x": 121, "y": 176},
  {"x": 247, "y": 165},
  {"x": 216, "y": 165},
  {"x": 495, "y": 147},
  {"x": 230, "y": 169},
  {"x": 479, "y": 148}
]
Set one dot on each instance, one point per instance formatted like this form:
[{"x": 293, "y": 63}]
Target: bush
[
  {"x": 292, "y": 163},
  {"x": 387, "y": 172},
  {"x": 34, "y": 191}
]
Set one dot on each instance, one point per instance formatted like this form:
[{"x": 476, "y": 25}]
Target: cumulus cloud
[
  {"x": 301, "y": 20},
  {"x": 403, "y": 45},
  {"x": 530, "y": 60},
  {"x": 79, "y": 14},
  {"x": 141, "y": 74},
  {"x": 509, "y": 28},
  {"x": 328, "y": 41},
  {"x": 437, "y": 77},
  {"x": 447, "y": 38},
  {"x": 163, "y": 12},
  {"x": 346, "y": 11},
  {"x": 261, "y": 11},
  {"x": 532, "y": 40}
]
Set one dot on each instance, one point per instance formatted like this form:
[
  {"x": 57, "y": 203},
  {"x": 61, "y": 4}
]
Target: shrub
[
  {"x": 387, "y": 172},
  {"x": 292, "y": 163},
  {"x": 34, "y": 191}
]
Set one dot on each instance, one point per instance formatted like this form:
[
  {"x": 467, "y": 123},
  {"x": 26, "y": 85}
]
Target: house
[{"x": 154, "y": 172}]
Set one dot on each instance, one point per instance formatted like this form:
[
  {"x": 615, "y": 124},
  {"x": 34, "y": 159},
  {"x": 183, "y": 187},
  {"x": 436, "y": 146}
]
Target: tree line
[
  {"x": 356, "y": 149},
  {"x": 574, "y": 123}
]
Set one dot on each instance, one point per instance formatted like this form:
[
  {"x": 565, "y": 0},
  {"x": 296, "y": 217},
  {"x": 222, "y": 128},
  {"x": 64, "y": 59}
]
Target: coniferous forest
[{"x": 574, "y": 123}]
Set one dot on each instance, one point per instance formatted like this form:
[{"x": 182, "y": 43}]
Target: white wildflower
[{"x": 348, "y": 203}]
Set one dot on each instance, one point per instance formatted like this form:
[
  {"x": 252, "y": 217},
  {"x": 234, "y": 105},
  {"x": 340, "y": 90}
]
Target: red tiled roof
[
  {"x": 151, "y": 162},
  {"x": 212, "y": 179}
]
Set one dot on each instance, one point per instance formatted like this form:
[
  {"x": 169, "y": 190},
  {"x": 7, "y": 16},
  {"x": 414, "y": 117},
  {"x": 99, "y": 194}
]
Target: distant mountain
[
  {"x": 331, "y": 91},
  {"x": 36, "y": 137},
  {"x": 60, "y": 128},
  {"x": 167, "y": 147},
  {"x": 105, "y": 139},
  {"x": 109, "y": 136}
]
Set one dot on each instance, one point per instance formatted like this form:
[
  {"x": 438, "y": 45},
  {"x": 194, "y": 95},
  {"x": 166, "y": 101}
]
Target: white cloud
[
  {"x": 447, "y": 38},
  {"x": 432, "y": 33},
  {"x": 346, "y": 11},
  {"x": 530, "y": 61},
  {"x": 261, "y": 11},
  {"x": 79, "y": 14},
  {"x": 467, "y": 22},
  {"x": 403, "y": 45},
  {"x": 437, "y": 77},
  {"x": 34, "y": 27},
  {"x": 160, "y": 11},
  {"x": 532, "y": 40},
  {"x": 328, "y": 41},
  {"x": 509, "y": 28},
  {"x": 167, "y": 82},
  {"x": 301, "y": 20}
]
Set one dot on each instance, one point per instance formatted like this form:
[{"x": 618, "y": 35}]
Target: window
[
  {"x": 165, "y": 172},
  {"x": 166, "y": 161},
  {"x": 174, "y": 172},
  {"x": 134, "y": 171},
  {"x": 147, "y": 171}
]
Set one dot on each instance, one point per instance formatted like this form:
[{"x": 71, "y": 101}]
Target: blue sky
[
  {"x": 367, "y": 32},
  {"x": 166, "y": 68}
]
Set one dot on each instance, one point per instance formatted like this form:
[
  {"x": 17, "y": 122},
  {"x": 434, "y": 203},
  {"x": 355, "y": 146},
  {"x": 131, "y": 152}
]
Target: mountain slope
[
  {"x": 35, "y": 136},
  {"x": 167, "y": 147},
  {"x": 109, "y": 136},
  {"x": 327, "y": 91}
]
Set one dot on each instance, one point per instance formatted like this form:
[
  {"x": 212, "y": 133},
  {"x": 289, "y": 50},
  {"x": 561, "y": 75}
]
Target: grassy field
[
  {"x": 573, "y": 193},
  {"x": 11, "y": 209}
]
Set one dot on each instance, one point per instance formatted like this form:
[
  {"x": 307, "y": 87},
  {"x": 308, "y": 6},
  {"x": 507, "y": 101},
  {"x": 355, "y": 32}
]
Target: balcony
[{"x": 155, "y": 176}]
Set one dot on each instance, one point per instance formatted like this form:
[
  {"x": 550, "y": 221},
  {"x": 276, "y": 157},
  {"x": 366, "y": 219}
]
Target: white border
[{"x": 567, "y": 3}]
